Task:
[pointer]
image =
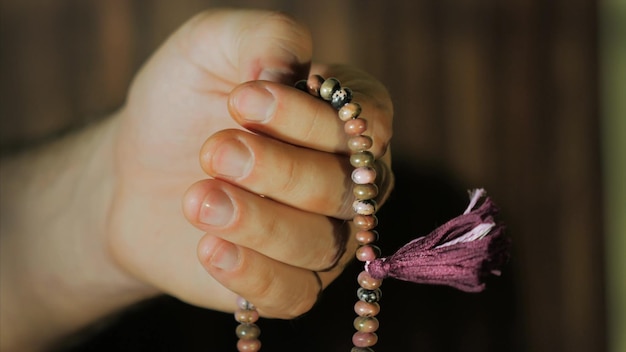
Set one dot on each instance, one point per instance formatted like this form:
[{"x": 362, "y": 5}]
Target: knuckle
[
  {"x": 286, "y": 302},
  {"x": 291, "y": 178},
  {"x": 263, "y": 286},
  {"x": 271, "y": 225},
  {"x": 311, "y": 129},
  {"x": 281, "y": 22},
  {"x": 301, "y": 305},
  {"x": 280, "y": 19}
]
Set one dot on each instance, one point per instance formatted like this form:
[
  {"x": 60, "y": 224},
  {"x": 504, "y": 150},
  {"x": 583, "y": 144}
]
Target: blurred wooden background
[{"x": 502, "y": 95}]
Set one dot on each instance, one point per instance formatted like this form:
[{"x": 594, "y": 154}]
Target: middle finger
[{"x": 302, "y": 178}]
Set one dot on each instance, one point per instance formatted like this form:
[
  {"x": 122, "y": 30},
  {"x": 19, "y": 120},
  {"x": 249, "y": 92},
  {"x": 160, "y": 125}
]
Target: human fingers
[
  {"x": 244, "y": 45},
  {"x": 288, "y": 235},
  {"x": 295, "y": 117},
  {"x": 179, "y": 96},
  {"x": 266, "y": 251},
  {"x": 278, "y": 290},
  {"x": 299, "y": 177}
]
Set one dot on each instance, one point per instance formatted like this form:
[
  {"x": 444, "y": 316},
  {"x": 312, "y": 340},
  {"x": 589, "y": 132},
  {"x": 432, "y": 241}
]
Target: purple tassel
[{"x": 461, "y": 253}]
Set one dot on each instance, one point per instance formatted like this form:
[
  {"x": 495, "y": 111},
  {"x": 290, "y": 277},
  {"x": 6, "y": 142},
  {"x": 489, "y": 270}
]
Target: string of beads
[
  {"x": 365, "y": 191},
  {"x": 247, "y": 331}
]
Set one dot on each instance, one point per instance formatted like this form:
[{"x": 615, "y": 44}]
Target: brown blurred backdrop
[{"x": 497, "y": 94}]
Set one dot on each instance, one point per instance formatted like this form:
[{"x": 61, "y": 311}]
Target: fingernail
[
  {"x": 255, "y": 103},
  {"x": 232, "y": 159},
  {"x": 217, "y": 209},
  {"x": 225, "y": 257}
]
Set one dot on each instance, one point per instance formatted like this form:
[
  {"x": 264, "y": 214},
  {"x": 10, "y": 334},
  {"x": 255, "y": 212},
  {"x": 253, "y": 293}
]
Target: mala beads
[
  {"x": 462, "y": 253},
  {"x": 247, "y": 331},
  {"x": 364, "y": 190}
]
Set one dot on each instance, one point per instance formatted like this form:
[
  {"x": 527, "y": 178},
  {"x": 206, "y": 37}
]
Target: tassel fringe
[{"x": 461, "y": 253}]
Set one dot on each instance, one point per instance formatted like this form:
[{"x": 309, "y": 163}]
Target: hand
[
  {"x": 93, "y": 222},
  {"x": 220, "y": 72}
]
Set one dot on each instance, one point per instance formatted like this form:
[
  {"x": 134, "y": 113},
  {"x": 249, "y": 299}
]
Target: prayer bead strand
[
  {"x": 247, "y": 331},
  {"x": 364, "y": 190}
]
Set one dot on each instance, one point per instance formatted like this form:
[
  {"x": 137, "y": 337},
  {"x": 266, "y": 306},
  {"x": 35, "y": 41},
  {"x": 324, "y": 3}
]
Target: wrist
[
  {"x": 95, "y": 183},
  {"x": 57, "y": 273}
]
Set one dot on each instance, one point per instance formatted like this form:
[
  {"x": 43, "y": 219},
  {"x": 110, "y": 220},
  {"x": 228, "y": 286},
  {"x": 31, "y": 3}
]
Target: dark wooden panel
[{"x": 487, "y": 93}]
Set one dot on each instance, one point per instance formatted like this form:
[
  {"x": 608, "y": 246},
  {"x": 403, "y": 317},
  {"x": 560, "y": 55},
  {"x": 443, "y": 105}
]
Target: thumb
[
  {"x": 274, "y": 47},
  {"x": 246, "y": 45}
]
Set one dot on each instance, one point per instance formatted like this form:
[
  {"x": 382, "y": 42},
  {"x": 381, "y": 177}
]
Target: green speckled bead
[
  {"x": 360, "y": 143},
  {"x": 248, "y": 331},
  {"x": 365, "y": 191},
  {"x": 366, "y": 324},
  {"x": 328, "y": 88},
  {"x": 361, "y": 349},
  {"x": 363, "y": 158}
]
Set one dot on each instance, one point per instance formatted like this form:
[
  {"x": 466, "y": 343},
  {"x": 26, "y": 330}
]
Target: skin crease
[{"x": 95, "y": 220}]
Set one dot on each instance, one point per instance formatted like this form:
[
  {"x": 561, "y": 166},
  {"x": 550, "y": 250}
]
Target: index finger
[{"x": 295, "y": 117}]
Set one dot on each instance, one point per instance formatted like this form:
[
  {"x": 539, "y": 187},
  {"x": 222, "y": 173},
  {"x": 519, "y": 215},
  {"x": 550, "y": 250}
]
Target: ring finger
[{"x": 288, "y": 235}]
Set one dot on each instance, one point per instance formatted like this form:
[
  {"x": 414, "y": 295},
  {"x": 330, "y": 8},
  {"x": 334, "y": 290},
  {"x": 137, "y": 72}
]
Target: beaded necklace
[{"x": 461, "y": 253}]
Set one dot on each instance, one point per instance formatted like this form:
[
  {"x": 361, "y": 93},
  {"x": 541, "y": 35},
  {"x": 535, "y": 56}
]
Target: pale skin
[{"x": 158, "y": 199}]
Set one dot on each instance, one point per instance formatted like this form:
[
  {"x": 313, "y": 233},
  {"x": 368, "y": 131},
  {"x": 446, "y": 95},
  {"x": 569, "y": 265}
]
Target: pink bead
[
  {"x": 365, "y": 222},
  {"x": 364, "y": 339},
  {"x": 313, "y": 85},
  {"x": 366, "y": 324},
  {"x": 349, "y": 111},
  {"x": 355, "y": 127},
  {"x": 251, "y": 345},
  {"x": 246, "y": 315},
  {"x": 360, "y": 143},
  {"x": 366, "y": 281},
  {"x": 366, "y": 236},
  {"x": 366, "y": 309},
  {"x": 367, "y": 253},
  {"x": 364, "y": 175}
]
